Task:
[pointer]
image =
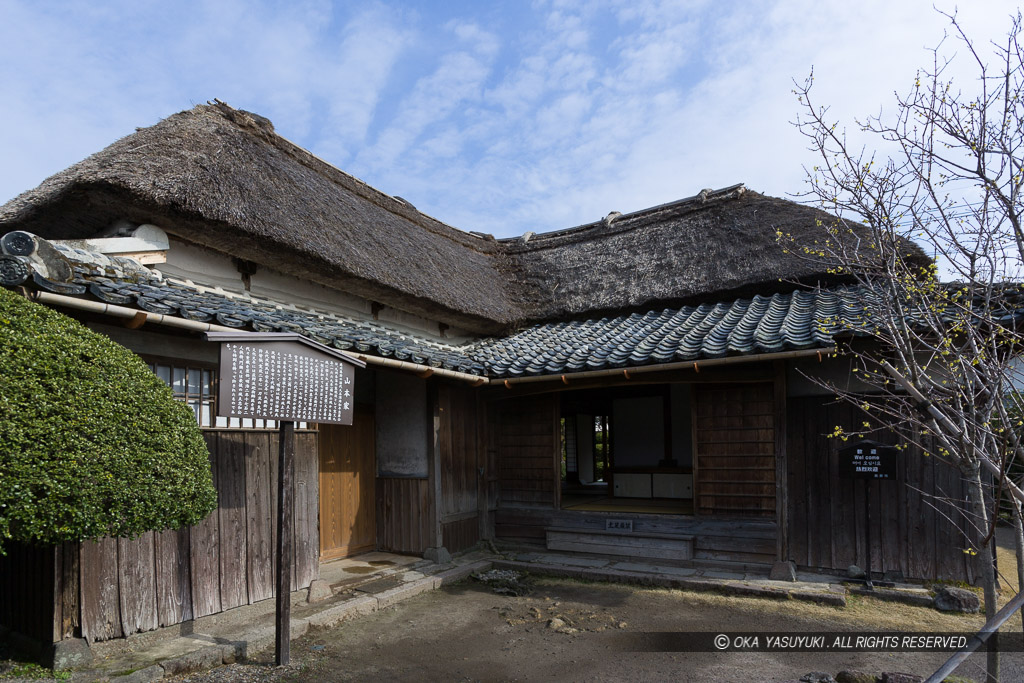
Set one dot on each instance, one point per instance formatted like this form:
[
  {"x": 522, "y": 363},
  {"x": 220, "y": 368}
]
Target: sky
[{"x": 499, "y": 117}]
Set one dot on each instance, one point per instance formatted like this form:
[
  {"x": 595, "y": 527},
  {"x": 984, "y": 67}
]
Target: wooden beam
[
  {"x": 750, "y": 373},
  {"x": 136, "y": 321}
]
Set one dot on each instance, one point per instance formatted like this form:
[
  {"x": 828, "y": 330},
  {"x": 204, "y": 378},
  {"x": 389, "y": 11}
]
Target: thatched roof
[
  {"x": 716, "y": 245},
  {"x": 222, "y": 178}
]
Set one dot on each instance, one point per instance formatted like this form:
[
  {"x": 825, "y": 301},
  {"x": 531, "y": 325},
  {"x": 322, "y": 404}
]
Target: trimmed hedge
[{"x": 92, "y": 443}]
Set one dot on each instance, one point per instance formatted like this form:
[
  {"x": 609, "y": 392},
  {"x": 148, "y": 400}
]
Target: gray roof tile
[{"x": 781, "y": 322}]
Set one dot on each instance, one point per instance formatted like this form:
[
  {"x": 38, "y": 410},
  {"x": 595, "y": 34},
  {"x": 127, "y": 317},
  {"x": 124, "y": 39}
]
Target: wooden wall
[
  {"x": 115, "y": 587},
  {"x": 909, "y": 531},
  {"x": 528, "y": 445},
  {"x": 404, "y": 515},
  {"x": 734, "y": 448}
]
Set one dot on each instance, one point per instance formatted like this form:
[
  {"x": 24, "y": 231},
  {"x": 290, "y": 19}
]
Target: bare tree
[{"x": 947, "y": 174}]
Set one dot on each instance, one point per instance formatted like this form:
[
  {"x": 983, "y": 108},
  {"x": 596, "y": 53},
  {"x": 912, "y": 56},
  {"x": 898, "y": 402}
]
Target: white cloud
[{"x": 499, "y": 118}]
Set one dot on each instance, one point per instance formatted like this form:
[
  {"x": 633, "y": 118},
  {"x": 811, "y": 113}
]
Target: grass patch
[{"x": 34, "y": 671}]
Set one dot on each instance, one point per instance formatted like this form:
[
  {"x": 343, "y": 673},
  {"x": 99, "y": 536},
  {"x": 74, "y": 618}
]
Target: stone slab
[
  {"x": 384, "y": 585},
  {"x": 350, "y": 609},
  {"x": 783, "y": 571},
  {"x": 404, "y": 592},
  {"x": 527, "y": 557},
  {"x": 918, "y": 598},
  {"x": 570, "y": 561},
  {"x": 653, "y": 569},
  {"x": 455, "y": 574},
  {"x": 752, "y": 590},
  {"x": 265, "y": 636},
  {"x": 319, "y": 590},
  {"x": 724, "y": 575},
  {"x": 71, "y": 653},
  {"x": 150, "y": 673},
  {"x": 197, "y": 660}
]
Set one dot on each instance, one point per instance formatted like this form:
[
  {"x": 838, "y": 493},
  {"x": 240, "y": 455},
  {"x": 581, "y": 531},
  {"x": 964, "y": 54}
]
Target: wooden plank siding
[
  {"x": 461, "y": 451},
  {"x": 910, "y": 533},
  {"x": 67, "y": 606},
  {"x": 404, "y": 514},
  {"x": 173, "y": 577},
  {"x": 528, "y": 445},
  {"x": 115, "y": 587},
  {"x": 136, "y": 568},
  {"x": 734, "y": 440},
  {"x": 101, "y": 605}
]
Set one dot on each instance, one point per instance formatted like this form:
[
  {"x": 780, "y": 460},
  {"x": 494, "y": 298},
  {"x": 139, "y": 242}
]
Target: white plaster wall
[
  {"x": 154, "y": 343},
  {"x": 401, "y": 425},
  {"x": 208, "y": 268}
]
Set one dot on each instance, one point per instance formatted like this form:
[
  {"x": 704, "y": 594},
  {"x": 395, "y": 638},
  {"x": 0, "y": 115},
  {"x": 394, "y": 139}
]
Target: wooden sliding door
[
  {"x": 734, "y": 447},
  {"x": 347, "y": 485}
]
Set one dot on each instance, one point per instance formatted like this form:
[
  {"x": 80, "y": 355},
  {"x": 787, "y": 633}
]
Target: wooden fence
[{"x": 115, "y": 587}]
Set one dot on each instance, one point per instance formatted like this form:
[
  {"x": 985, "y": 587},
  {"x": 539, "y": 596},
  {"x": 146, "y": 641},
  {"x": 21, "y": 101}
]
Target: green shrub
[{"x": 92, "y": 443}]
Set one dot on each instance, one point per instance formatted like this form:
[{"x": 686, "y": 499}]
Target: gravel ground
[{"x": 577, "y": 631}]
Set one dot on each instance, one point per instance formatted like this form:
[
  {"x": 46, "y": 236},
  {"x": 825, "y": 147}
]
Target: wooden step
[{"x": 636, "y": 545}]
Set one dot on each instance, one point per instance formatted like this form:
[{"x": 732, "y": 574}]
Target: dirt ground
[{"x": 468, "y": 633}]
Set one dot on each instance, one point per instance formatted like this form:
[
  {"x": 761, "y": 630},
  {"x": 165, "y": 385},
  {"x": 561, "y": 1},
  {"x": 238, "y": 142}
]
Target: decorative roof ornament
[{"x": 611, "y": 217}]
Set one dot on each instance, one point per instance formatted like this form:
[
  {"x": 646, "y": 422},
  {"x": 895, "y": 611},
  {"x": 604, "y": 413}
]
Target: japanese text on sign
[{"x": 278, "y": 381}]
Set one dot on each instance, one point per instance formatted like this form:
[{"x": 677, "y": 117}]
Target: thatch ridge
[
  {"x": 223, "y": 178},
  {"x": 720, "y": 244}
]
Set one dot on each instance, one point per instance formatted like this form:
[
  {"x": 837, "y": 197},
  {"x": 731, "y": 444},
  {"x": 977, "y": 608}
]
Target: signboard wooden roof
[{"x": 284, "y": 376}]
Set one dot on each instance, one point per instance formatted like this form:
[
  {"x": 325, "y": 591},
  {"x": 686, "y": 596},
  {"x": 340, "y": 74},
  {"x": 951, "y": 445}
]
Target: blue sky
[{"x": 498, "y": 117}]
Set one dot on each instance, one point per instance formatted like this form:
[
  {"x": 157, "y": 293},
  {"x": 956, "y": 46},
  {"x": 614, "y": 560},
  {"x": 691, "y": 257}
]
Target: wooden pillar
[
  {"x": 782, "y": 553},
  {"x": 556, "y": 427},
  {"x": 285, "y": 472},
  {"x": 482, "y": 473},
  {"x": 434, "y": 417}
]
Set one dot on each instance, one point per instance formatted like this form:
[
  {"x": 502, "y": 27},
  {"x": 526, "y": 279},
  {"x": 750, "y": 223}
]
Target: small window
[
  {"x": 196, "y": 386},
  {"x": 192, "y": 385}
]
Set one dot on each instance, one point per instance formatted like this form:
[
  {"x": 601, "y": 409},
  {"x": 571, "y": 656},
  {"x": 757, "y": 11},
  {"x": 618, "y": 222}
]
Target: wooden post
[
  {"x": 782, "y": 550},
  {"x": 867, "y": 533},
  {"x": 434, "y": 457},
  {"x": 285, "y": 472}
]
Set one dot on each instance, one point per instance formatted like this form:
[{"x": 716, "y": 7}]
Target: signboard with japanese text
[
  {"x": 868, "y": 460},
  {"x": 284, "y": 377}
]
